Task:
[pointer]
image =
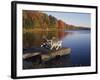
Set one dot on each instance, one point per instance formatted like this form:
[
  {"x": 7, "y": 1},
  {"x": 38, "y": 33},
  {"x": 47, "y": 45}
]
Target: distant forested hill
[{"x": 40, "y": 20}]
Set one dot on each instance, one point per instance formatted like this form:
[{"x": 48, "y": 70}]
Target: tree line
[{"x": 40, "y": 20}]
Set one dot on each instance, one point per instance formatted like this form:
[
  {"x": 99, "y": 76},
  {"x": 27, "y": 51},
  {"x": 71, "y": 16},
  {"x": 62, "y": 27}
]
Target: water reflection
[
  {"x": 78, "y": 41},
  {"x": 35, "y": 38}
]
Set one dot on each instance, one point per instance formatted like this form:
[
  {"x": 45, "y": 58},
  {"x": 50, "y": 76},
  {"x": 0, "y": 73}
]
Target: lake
[{"x": 77, "y": 40}]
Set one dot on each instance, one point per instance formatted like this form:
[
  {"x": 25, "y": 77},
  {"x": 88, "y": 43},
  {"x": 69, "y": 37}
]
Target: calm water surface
[{"x": 77, "y": 40}]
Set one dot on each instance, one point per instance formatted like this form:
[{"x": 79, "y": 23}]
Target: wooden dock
[
  {"x": 60, "y": 52},
  {"x": 28, "y": 55},
  {"x": 48, "y": 56}
]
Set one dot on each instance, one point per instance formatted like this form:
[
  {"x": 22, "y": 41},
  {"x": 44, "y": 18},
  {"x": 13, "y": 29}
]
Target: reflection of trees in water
[
  {"x": 61, "y": 34},
  {"x": 31, "y": 39},
  {"x": 28, "y": 39},
  {"x": 52, "y": 34},
  {"x": 35, "y": 38}
]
